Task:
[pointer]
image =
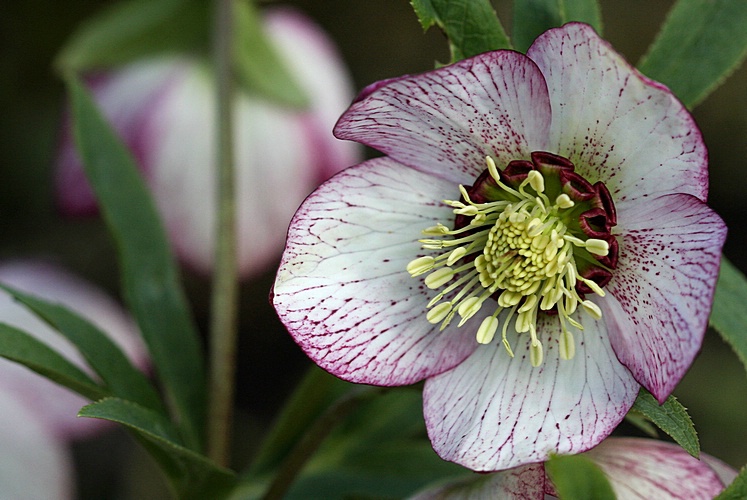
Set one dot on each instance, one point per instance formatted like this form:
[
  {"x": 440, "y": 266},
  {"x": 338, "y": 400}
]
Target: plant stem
[
  {"x": 223, "y": 325},
  {"x": 313, "y": 437}
]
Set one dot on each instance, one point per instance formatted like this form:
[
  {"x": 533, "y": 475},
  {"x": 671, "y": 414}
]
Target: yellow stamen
[{"x": 525, "y": 258}]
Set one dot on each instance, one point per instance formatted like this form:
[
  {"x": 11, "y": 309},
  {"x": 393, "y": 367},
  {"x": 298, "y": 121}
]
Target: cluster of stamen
[{"x": 517, "y": 249}]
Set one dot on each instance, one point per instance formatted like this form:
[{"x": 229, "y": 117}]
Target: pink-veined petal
[
  {"x": 34, "y": 462},
  {"x": 661, "y": 292},
  {"x": 446, "y": 121},
  {"x": 343, "y": 290},
  {"x": 495, "y": 412},
  {"x": 725, "y": 472},
  {"x": 645, "y": 468},
  {"x": 616, "y": 125},
  {"x": 520, "y": 483},
  {"x": 58, "y": 406}
]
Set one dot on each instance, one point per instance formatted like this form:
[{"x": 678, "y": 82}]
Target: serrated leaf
[
  {"x": 534, "y": 17},
  {"x": 20, "y": 347},
  {"x": 135, "y": 29},
  {"x": 737, "y": 490},
  {"x": 671, "y": 417},
  {"x": 700, "y": 44},
  {"x": 728, "y": 316},
  {"x": 578, "y": 478},
  {"x": 257, "y": 64},
  {"x": 471, "y": 26},
  {"x": 149, "y": 273},
  {"x": 193, "y": 475},
  {"x": 99, "y": 351}
]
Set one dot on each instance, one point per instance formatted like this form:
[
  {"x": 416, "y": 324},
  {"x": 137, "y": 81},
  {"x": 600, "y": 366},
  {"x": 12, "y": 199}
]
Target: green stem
[
  {"x": 313, "y": 437},
  {"x": 225, "y": 283}
]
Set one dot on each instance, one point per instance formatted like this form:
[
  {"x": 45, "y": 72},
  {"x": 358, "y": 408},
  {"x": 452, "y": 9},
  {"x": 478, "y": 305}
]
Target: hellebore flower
[
  {"x": 164, "y": 111},
  {"x": 38, "y": 417},
  {"x": 576, "y": 248},
  {"x": 636, "y": 468}
]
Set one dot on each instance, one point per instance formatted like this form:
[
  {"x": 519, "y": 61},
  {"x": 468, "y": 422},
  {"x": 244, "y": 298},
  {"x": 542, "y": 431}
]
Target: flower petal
[
  {"x": 646, "y": 468},
  {"x": 273, "y": 172},
  {"x": 34, "y": 463},
  {"x": 661, "y": 292},
  {"x": 615, "y": 124},
  {"x": 126, "y": 97},
  {"x": 165, "y": 112},
  {"x": 494, "y": 412},
  {"x": 342, "y": 289},
  {"x": 57, "y": 405},
  {"x": 317, "y": 64},
  {"x": 446, "y": 121},
  {"x": 520, "y": 483}
]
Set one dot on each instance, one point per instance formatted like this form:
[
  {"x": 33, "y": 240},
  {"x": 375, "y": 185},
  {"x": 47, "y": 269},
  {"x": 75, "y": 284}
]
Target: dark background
[{"x": 378, "y": 39}]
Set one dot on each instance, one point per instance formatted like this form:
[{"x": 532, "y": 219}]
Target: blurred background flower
[
  {"x": 164, "y": 109},
  {"x": 38, "y": 418}
]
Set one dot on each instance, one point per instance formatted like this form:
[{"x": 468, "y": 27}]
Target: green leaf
[
  {"x": 471, "y": 26},
  {"x": 101, "y": 354},
  {"x": 19, "y": 346},
  {"x": 534, "y": 17},
  {"x": 671, "y": 417},
  {"x": 193, "y": 475},
  {"x": 578, "y": 478},
  {"x": 728, "y": 316},
  {"x": 737, "y": 490},
  {"x": 317, "y": 391},
  {"x": 700, "y": 44},
  {"x": 135, "y": 29},
  {"x": 257, "y": 64},
  {"x": 379, "y": 450},
  {"x": 149, "y": 274},
  {"x": 643, "y": 424}
]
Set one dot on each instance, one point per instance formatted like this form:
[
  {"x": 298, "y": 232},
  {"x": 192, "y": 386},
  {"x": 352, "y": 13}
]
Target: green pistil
[{"x": 518, "y": 249}]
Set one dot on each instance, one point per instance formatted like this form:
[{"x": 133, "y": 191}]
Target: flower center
[{"x": 535, "y": 237}]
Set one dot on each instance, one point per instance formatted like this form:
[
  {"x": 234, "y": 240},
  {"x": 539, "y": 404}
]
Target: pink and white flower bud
[
  {"x": 164, "y": 110},
  {"x": 37, "y": 417}
]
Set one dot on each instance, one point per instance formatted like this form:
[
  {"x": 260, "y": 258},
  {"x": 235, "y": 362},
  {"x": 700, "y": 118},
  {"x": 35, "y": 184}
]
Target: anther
[
  {"x": 438, "y": 313},
  {"x": 439, "y": 277},
  {"x": 421, "y": 265},
  {"x": 597, "y": 247},
  {"x": 487, "y": 330},
  {"x": 536, "y": 181},
  {"x": 564, "y": 201}
]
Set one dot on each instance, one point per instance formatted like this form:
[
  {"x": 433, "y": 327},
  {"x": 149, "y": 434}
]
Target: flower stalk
[{"x": 223, "y": 324}]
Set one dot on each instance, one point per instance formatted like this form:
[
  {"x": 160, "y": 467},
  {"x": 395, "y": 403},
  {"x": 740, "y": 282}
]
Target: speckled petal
[
  {"x": 645, "y": 468},
  {"x": 519, "y": 483},
  {"x": 661, "y": 292},
  {"x": 446, "y": 121},
  {"x": 342, "y": 289},
  {"x": 616, "y": 125},
  {"x": 57, "y": 406},
  {"x": 494, "y": 412}
]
